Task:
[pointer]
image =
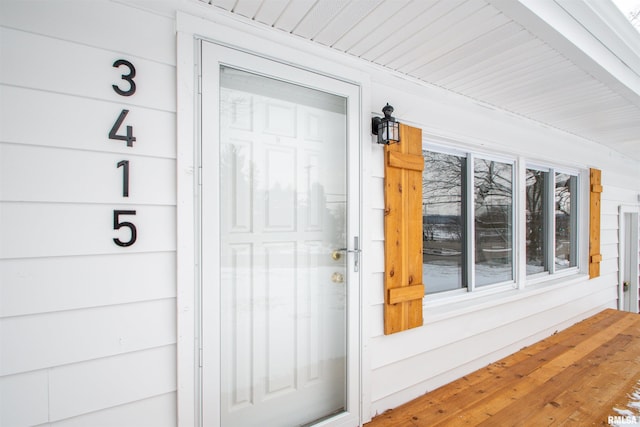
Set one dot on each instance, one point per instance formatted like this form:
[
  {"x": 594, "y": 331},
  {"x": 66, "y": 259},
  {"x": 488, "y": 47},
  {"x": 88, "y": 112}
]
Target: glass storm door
[{"x": 284, "y": 272}]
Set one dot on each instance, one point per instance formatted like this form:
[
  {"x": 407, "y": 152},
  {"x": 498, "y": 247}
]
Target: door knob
[{"x": 337, "y": 253}]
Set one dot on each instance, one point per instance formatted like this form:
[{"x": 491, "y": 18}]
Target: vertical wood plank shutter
[
  {"x": 403, "y": 285},
  {"x": 595, "y": 256}
]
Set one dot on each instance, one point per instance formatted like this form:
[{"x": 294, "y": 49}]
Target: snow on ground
[{"x": 629, "y": 416}]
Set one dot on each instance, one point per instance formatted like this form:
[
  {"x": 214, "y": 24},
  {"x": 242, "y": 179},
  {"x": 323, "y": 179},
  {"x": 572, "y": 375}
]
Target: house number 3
[{"x": 129, "y": 89}]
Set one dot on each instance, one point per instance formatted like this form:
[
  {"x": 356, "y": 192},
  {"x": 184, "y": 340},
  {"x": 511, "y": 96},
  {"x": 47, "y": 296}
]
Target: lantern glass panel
[
  {"x": 394, "y": 129},
  {"x": 385, "y": 131},
  {"x": 381, "y": 132}
]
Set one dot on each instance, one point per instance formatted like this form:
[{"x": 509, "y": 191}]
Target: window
[
  {"x": 537, "y": 222},
  {"x": 443, "y": 221},
  {"x": 468, "y": 223},
  {"x": 566, "y": 221},
  {"x": 551, "y": 224},
  {"x": 493, "y": 213},
  {"x": 461, "y": 193}
]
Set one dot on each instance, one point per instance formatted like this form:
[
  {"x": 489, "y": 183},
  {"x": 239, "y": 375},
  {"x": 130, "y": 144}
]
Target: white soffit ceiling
[{"x": 499, "y": 52}]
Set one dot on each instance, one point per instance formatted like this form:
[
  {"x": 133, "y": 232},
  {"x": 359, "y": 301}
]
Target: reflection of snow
[
  {"x": 438, "y": 233},
  {"x": 446, "y": 276},
  {"x": 441, "y": 276},
  {"x": 496, "y": 250},
  {"x": 534, "y": 269},
  {"x": 489, "y": 273},
  {"x": 441, "y": 251}
]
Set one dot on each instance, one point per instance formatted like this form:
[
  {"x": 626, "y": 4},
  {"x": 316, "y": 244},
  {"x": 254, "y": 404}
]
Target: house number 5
[{"x": 118, "y": 223}]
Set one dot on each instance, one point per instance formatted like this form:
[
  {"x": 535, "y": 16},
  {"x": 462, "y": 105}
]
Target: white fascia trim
[
  {"x": 582, "y": 34},
  {"x": 607, "y": 23}
]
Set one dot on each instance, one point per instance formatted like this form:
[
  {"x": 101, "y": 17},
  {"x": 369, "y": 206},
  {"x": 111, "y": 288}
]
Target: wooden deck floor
[{"x": 575, "y": 377}]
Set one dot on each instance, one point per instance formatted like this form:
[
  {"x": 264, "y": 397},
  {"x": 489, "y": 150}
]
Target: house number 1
[{"x": 128, "y": 137}]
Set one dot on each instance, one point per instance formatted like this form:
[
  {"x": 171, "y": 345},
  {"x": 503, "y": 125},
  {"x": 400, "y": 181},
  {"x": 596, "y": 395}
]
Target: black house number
[
  {"x": 116, "y": 133},
  {"x": 113, "y": 133},
  {"x": 118, "y": 223},
  {"x": 125, "y": 177},
  {"x": 126, "y": 77}
]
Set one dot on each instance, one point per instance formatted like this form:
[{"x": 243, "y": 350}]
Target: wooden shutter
[
  {"x": 403, "y": 285},
  {"x": 594, "y": 223}
]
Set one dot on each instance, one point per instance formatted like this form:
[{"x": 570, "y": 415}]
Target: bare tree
[{"x": 442, "y": 189}]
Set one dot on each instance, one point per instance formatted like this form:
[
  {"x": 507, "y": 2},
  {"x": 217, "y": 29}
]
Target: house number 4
[{"x": 129, "y": 89}]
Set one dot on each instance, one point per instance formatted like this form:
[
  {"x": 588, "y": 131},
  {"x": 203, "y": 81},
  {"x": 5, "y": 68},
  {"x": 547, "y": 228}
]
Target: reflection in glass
[
  {"x": 283, "y": 201},
  {"x": 536, "y": 225},
  {"x": 443, "y": 222},
  {"x": 493, "y": 189},
  {"x": 565, "y": 206}
]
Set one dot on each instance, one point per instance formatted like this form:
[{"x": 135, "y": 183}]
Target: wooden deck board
[{"x": 574, "y": 377}]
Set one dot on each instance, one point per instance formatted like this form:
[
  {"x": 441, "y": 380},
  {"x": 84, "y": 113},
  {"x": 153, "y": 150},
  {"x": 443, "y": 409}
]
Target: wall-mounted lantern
[{"x": 387, "y": 129}]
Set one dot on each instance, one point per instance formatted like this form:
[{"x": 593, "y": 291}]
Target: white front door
[{"x": 279, "y": 207}]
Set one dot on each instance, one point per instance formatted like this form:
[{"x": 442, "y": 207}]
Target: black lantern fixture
[{"x": 387, "y": 129}]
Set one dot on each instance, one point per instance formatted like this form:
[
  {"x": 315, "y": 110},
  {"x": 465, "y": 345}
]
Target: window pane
[
  {"x": 536, "y": 183},
  {"x": 443, "y": 221},
  {"x": 493, "y": 183},
  {"x": 565, "y": 195}
]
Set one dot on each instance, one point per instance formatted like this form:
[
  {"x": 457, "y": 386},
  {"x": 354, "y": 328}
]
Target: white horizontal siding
[
  {"x": 50, "y": 395},
  {"x": 609, "y": 250},
  {"x": 62, "y": 338},
  {"x": 32, "y": 285},
  {"x": 76, "y": 69},
  {"x": 108, "y": 382},
  {"x": 471, "y": 319},
  {"x": 619, "y": 192},
  {"x": 157, "y": 411},
  {"x": 105, "y": 24},
  {"x": 48, "y": 229},
  {"x": 88, "y": 327},
  {"x": 17, "y": 392},
  {"x": 63, "y": 122},
  {"x": 609, "y": 236},
  {"x": 83, "y": 176},
  {"x": 608, "y": 221}
]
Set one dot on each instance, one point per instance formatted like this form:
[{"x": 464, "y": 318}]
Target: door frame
[
  {"x": 624, "y": 213},
  {"x": 213, "y": 56},
  {"x": 224, "y": 31}
]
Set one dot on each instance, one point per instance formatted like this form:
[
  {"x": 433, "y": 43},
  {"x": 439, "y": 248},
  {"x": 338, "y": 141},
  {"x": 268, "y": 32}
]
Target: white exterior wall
[
  {"x": 88, "y": 329},
  {"x": 464, "y": 333}
]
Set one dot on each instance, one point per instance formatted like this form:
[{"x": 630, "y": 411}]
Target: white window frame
[
  {"x": 520, "y": 165},
  {"x": 470, "y": 244},
  {"x": 577, "y": 209}
]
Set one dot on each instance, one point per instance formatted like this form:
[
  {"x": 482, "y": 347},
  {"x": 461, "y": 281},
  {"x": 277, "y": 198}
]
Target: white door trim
[
  {"x": 186, "y": 177},
  {"x": 214, "y": 25}
]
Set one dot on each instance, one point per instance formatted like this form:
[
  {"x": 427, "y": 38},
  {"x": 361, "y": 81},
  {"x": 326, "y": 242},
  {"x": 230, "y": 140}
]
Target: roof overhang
[{"x": 572, "y": 65}]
